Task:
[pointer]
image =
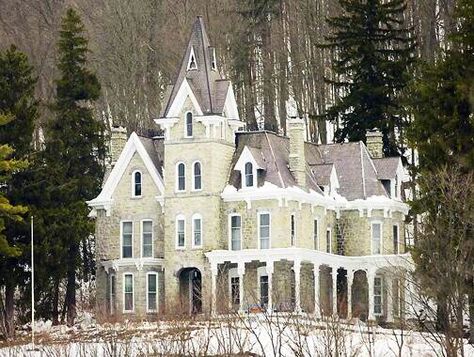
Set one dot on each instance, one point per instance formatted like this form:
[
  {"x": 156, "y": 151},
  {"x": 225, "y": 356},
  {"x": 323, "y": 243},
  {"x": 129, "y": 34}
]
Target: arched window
[
  {"x": 181, "y": 177},
  {"x": 248, "y": 174},
  {"x": 137, "y": 184},
  {"x": 189, "y": 124},
  {"x": 197, "y": 175}
]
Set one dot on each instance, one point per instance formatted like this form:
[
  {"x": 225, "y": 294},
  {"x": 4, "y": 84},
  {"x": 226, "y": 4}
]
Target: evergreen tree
[
  {"x": 73, "y": 158},
  {"x": 373, "y": 53},
  {"x": 17, "y": 99}
]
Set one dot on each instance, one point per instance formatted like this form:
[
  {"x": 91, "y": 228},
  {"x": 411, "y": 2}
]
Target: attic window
[
  {"x": 213, "y": 59},
  {"x": 192, "y": 63},
  {"x": 248, "y": 174}
]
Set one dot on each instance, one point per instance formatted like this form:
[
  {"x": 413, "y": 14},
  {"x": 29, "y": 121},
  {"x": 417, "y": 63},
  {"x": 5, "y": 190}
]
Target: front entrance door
[{"x": 191, "y": 290}]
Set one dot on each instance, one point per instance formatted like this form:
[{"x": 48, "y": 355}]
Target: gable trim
[{"x": 178, "y": 102}]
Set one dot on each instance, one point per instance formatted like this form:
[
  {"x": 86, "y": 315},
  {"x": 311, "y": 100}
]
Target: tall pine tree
[
  {"x": 373, "y": 51},
  {"x": 19, "y": 110},
  {"x": 73, "y": 156}
]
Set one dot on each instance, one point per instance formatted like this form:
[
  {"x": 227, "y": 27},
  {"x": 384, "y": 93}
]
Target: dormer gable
[{"x": 249, "y": 162}]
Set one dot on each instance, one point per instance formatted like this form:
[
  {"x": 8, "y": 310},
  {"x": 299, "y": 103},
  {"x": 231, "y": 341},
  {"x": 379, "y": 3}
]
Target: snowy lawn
[{"x": 238, "y": 335}]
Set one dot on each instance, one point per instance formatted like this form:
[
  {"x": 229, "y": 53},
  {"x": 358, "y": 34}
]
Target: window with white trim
[
  {"x": 235, "y": 232},
  {"x": 213, "y": 59},
  {"x": 197, "y": 184},
  {"x": 328, "y": 241},
  {"x": 112, "y": 293},
  {"x": 128, "y": 292},
  {"x": 152, "y": 292},
  {"x": 293, "y": 229},
  {"x": 315, "y": 234},
  {"x": 248, "y": 174},
  {"x": 264, "y": 230},
  {"x": 197, "y": 231},
  {"x": 396, "y": 239},
  {"x": 180, "y": 232},
  {"x": 189, "y": 125},
  {"x": 137, "y": 184},
  {"x": 378, "y": 295},
  {"x": 376, "y": 238},
  {"x": 147, "y": 239},
  {"x": 192, "y": 64},
  {"x": 127, "y": 239},
  {"x": 181, "y": 176}
]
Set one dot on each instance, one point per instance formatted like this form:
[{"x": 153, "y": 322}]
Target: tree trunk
[
  {"x": 270, "y": 122},
  {"x": 71, "y": 285},
  {"x": 9, "y": 311},
  {"x": 471, "y": 316},
  {"x": 55, "y": 303}
]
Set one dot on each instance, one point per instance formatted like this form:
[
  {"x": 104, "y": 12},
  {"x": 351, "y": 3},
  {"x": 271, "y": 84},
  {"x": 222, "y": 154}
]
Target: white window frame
[
  {"x": 196, "y": 216},
  {"x": 178, "y": 218},
  {"x": 133, "y": 184},
  {"x": 230, "y": 230},
  {"x": 194, "y": 175},
  {"x": 381, "y": 295},
  {"x": 259, "y": 214},
  {"x": 330, "y": 240},
  {"x": 213, "y": 59},
  {"x": 177, "y": 176},
  {"x": 316, "y": 243},
  {"x": 372, "y": 237},
  {"x": 186, "y": 124},
  {"x": 112, "y": 301},
  {"x": 152, "y": 238},
  {"x": 191, "y": 55},
  {"x": 121, "y": 237},
  {"x": 244, "y": 175},
  {"x": 262, "y": 271},
  {"x": 293, "y": 227},
  {"x": 133, "y": 293},
  {"x": 148, "y": 274},
  {"x": 398, "y": 238},
  {"x": 233, "y": 273}
]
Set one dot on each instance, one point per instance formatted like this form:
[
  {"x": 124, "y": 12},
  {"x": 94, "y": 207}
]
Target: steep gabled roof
[
  {"x": 387, "y": 167},
  {"x": 206, "y": 83}
]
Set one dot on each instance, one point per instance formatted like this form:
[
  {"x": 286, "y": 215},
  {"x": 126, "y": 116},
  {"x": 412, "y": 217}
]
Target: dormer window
[
  {"x": 137, "y": 184},
  {"x": 189, "y": 125},
  {"x": 192, "y": 64},
  {"x": 248, "y": 174},
  {"x": 213, "y": 59}
]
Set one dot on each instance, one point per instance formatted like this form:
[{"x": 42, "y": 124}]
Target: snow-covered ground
[{"x": 257, "y": 334}]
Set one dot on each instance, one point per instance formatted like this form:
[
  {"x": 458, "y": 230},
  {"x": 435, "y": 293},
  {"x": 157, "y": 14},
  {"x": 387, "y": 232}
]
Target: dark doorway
[{"x": 190, "y": 285}]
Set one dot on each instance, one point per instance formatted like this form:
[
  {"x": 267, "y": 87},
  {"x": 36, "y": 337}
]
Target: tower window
[
  {"x": 181, "y": 177},
  {"x": 137, "y": 184},
  {"x": 189, "y": 125},
  {"x": 192, "y": 64},
  {"x": 197, "y": 175},
  {"x": 213, "y": 59},
  {"x": 248, "y": 174}
]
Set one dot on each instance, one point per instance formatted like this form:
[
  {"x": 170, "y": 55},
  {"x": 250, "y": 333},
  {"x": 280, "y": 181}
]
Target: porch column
[
  {"x": 241, "y": 272},
  {"x": 269, "y": 268},
  {"x": 334, "y": 290},
  {"x": 213, "y": 288},
  {"x": 297, "y": 271},
  {"x": 370, "y": 282},
  {"x": 317, "y": 306},
  {"x": 350, "y": 279},
  {"x": 389, "y": 300}
]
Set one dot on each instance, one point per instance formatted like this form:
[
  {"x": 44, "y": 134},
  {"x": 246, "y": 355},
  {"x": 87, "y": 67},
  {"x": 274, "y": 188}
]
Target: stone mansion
[{"x": 210, "y": 218}]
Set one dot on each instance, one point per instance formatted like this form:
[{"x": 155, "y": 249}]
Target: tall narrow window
[
  {"x": 152, "y": 290},
  {"x": 192, "y": 64},
  {"x": 127, "y": 237},
  {"x": 264, "y": 230},
  {"x": 328, "y": 241},
  {"x": 180, "y": 232},
  {"x": 377, "y": 295},
  {"x": 263, "y": 291},
  {"x": 113, "y": 288},
  {"x": 376, "y": 238},
  {"x": 213, "y": 59},
  {"x": 235, "y": 232},
  {"x": 315, "y": 234},
  {"x": 128, "y": 292},
  {"x": 197, "y": 231},
  {"x": 395, "y": 240},
  {"x": 147, "y": 239},
  {"x": 137, "y": 184},
  {"x": 189, "y": 124},
  {"x": 181, "y": 173},
  {"x": 395, "y": 186},
  {"x": 197, "y": 175},
  {"x": 235, "y": 290},
  {"x": 292, "y": 230},
  {"x": 248, "y": 174}
]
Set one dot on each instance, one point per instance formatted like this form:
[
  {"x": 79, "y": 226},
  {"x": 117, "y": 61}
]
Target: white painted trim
[
  {"x": 133, "y": 184},
  {"x": 328, "y": 229},
  {"x": 152, "y": 238},
  {"x": 186, "y": 124},
  {"x": 192, "y": 55},
  {"x": 372, "y": 222},
  {"x": 133, "y": 293},
  {"x": 147, "y": 293},
  {"x": 233, "y": 273},
  {"x": 121, "y": 237},
  {"x": 177, "y": 177},
  {"x": 269, "y": 228},
  {"x": 184, "y": 92},
  {"x": 194, "y": 176},
  {"x": 178, "y": 218},
  {"x": 231, "y": 108},
  {"x": 245, "y": 158},
  {"x": 138, "y": 263},
  {"x": 196, "y": 216},
  {"x": 104, "y": 199},
  {"x": 229, "y": 225}
]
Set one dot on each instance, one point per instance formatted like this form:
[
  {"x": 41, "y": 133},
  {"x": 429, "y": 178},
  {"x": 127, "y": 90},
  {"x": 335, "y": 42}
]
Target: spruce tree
[
  {"x": 73, "y": 156},
  {"x": 373, "y": 51}
]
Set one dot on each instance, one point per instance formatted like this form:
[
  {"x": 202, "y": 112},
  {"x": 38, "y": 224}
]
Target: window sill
[
  {"x": 136, "y": 197},
  {"x": 197, "y": 248},
  {"x": 128, "y": 311},
  {"x": 180, "y": 248}
]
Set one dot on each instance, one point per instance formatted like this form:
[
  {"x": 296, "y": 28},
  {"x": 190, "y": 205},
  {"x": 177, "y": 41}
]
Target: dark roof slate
[{"x": 386, "y": 167}]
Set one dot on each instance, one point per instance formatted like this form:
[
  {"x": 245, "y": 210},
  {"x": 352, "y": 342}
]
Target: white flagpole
[{"x": 32, "y": 288}]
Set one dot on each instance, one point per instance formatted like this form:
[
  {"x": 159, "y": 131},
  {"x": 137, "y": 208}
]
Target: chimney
[
  {"x": 118, "y": 139},
  {"x": 375, "y": 144},
  {"x": 296, "y": 132}
]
